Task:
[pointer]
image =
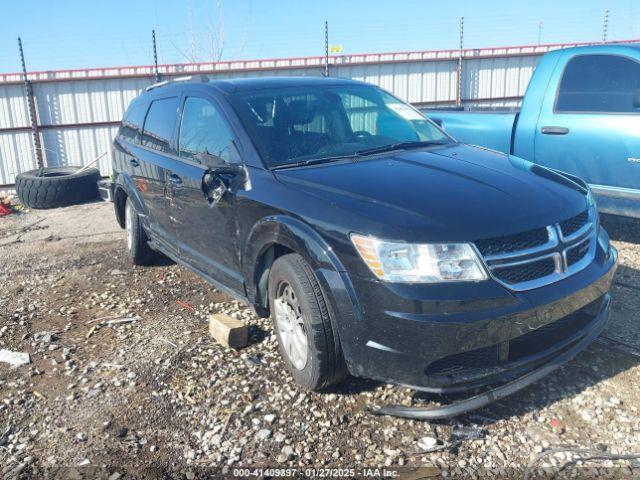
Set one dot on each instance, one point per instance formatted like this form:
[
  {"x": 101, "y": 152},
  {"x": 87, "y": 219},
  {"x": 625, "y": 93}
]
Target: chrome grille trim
[
  {"x": 557, "y": 248},
  {"x": 578, "y": 233},
  {"x": 553, "y": 241}
]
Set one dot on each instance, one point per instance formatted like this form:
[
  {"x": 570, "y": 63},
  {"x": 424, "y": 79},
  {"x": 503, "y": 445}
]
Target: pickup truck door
[
  {"x": 207, "y": 232},
  {"x": 590, "y": 124}
]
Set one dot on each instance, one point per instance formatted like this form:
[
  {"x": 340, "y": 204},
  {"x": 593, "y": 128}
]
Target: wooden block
[{"x": 228, "y": 331}]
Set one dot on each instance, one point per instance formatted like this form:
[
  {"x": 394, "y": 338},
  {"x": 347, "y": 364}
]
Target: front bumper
[
  {"x": 453, "y": 338},
  {"x": 580, "y": 341}
]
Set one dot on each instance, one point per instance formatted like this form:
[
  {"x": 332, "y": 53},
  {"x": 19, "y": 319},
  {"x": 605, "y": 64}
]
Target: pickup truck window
[
  {"x": 600, "y": 84},
  {"x": 203, "y": 130},
  {"x": 158, "y": 126},
  {"x": 328, "y": 122}
]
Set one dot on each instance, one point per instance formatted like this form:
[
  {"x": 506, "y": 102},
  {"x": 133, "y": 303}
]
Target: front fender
[{"x": 296, "y": 235}]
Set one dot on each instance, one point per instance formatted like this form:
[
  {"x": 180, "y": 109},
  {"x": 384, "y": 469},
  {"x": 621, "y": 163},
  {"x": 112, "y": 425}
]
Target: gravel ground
[{"x": 157, "y": 397}]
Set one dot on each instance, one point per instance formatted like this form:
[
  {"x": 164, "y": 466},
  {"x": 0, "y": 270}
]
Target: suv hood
[{"x": 452, "y": 193}]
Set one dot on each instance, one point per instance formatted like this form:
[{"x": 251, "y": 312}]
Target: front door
[
  {"x": 590, "y": 127},
  {"x": 206, "y": 230}
]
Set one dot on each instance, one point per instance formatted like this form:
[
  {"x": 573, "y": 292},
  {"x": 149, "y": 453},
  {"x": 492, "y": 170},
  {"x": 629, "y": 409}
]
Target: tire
[
  {"x": 53, "y": 187},
  {"x": 138, "y": 247},
  {"x": 323, "y": 365}
]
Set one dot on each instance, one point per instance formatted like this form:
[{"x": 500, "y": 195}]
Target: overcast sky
[{"x": 77, "y": 34}]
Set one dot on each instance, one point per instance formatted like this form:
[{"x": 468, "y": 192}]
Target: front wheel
[
  {"x": 309, "y": 345},
  {"x": 140, "y": 252}
]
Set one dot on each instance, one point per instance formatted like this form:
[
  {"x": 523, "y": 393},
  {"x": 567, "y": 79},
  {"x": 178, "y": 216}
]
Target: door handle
[
  {"x": 175, "y": 179},
  {"x": 554, "y": 130},
  {"x": 133, "y": 162}
]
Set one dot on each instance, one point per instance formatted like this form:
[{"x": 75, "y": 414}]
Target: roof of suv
[{"x": 260, "y": 83}]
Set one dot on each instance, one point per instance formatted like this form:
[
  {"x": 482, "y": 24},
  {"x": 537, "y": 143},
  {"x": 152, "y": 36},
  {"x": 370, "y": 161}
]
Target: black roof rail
[{"x": 188, "y": 78}]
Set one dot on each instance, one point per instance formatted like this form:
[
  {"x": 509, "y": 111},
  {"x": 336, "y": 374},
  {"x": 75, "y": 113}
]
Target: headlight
[{"x": 420, "y": 263}]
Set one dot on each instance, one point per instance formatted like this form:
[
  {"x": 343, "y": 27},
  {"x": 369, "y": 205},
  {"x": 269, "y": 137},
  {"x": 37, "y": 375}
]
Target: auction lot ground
[{"x": 158, "y": 397}]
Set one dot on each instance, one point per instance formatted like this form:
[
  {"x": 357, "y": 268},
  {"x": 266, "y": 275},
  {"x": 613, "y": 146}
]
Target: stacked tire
[{"x": 53, "y": 187}]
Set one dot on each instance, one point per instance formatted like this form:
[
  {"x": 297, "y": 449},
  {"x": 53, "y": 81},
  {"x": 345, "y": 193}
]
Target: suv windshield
[{"x": 307, "y": 124}]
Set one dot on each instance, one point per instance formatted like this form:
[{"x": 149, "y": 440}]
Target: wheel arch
[
  {"x": 119, "y": 204},
  {"x": 275, "y": 236},
  {"x": 124, "y": 189},
  {"x": 278, "y": 235}
]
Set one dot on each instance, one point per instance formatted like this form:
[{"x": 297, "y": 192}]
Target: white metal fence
[{"x": 78, "y": 110}]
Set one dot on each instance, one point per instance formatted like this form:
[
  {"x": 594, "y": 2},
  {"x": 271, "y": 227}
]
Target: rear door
[
  {"x": 591, "y": 125},
  {"x": 207, "y": 232},
  {"x": 154, "y": 156}
]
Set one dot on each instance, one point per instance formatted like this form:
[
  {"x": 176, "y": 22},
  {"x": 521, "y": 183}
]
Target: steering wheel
[{"x": 361, "y": 134}]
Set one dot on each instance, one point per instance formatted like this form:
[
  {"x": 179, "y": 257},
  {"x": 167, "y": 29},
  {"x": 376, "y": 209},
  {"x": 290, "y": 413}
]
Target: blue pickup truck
[{"x": 580, "y": 115}]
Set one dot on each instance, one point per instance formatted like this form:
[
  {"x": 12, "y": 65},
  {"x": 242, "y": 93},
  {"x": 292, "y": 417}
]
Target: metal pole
[
  {"x": 155, "y": 55},
  {"x": 33, "y": 118},
  {"x": 539, "y": 33},
  {"x": 605, "y": 26},
  {"x": 459, "y": 89},
  {"x": 326, "y": 48}
]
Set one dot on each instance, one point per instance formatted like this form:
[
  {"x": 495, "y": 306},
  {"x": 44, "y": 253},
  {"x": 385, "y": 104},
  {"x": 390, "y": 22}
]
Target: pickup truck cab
[
  {"x": 379, "y": 245},
  {"x": 580, "y": 114}
]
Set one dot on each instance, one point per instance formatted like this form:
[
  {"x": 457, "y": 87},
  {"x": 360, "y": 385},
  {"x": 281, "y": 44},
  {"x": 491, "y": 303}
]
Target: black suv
[{"x": 380, "y": 246}]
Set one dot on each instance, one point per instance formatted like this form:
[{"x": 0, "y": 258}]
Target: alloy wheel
[{"x": 290, "y": 324}]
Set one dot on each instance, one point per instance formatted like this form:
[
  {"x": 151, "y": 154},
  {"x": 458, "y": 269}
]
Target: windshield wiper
[
  {"x": 400, "y": 146},
  {"x": 359, "y": 153},
  {"x": 315, "y": 161}
]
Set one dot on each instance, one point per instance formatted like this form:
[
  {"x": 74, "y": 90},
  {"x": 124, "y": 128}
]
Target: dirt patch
[{"x": 155, "y": 396}]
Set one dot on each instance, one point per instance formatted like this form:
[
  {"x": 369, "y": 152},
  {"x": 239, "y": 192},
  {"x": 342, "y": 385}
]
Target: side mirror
[
  {"x": 439, "y": 122},
  {"x": 217, "y": 164}
]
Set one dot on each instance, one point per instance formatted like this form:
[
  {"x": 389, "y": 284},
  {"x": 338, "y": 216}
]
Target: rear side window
[
  {"x": 159, "y": 124},
  {"x": 600, "y": 83},
  {"x": 204, "y": 130},
  {"x": 132, "y": 122}
]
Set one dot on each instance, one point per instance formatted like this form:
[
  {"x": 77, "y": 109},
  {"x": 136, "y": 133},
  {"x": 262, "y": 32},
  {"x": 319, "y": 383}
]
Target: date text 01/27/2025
[{"x": 316, "y": 472}]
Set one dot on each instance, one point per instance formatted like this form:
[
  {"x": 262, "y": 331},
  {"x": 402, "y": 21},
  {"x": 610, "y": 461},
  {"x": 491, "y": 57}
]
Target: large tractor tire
[{"x": 53, "y": 187}]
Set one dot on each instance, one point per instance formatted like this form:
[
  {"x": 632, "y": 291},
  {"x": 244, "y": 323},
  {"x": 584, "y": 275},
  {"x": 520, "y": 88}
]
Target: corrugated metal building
[{"x": 78, "y": 110}]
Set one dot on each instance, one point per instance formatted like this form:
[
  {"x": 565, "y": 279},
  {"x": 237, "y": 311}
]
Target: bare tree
[
  {"x": 215, "y": 33},
  {"x": 209, "y": 45}
]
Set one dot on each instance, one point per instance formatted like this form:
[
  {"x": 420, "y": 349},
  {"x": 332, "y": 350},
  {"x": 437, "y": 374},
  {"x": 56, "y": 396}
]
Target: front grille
[
  {"x": 526, "y": 272},
  {"x": 529, "y": 344},
  {"x": 576, "y": 254},
  {"x": 541, "y": 256},
  {"x": 572, "y": 225},
  {"x": 513, "y": 243}
]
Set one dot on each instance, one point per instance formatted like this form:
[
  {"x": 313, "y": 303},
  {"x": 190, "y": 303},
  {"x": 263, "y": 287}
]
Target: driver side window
[{"x": 203, "y": 129}]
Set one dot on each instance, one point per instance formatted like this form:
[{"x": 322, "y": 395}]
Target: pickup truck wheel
[
  {"x": 139, "y": 250},
  {"x": 308, "y": 344}
]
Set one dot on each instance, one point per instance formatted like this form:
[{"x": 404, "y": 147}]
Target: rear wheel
[
  {"x": 309, "y": 346},
  {"x": 137, "y": 243}
]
